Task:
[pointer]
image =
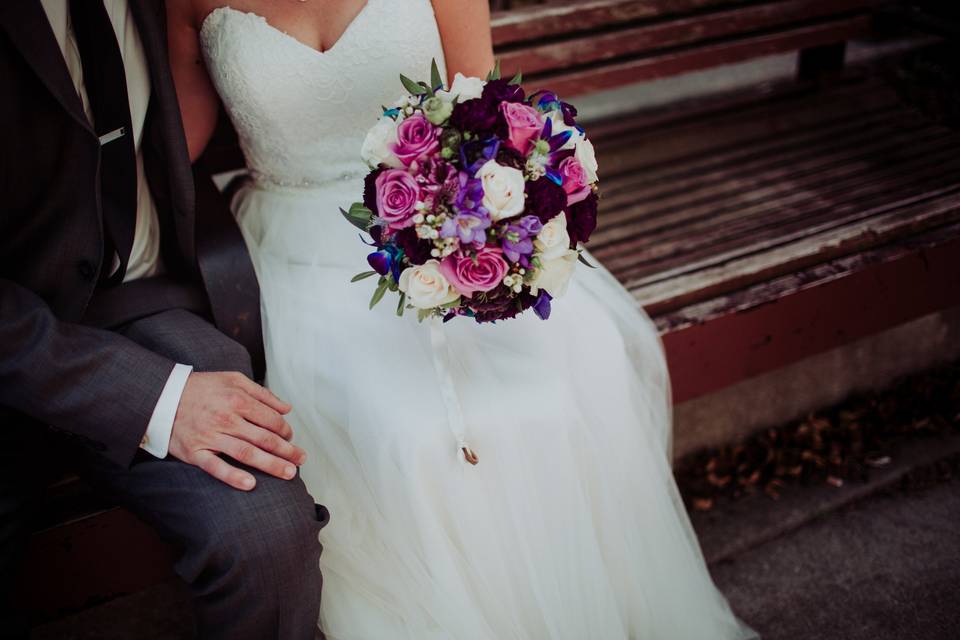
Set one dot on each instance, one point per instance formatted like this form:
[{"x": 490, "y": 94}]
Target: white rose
[
  {"x": 553, "y": 239},
  {"x": 465, "y": 87},
  {"x": 587, "y": 158},
  {"x": 376, "y": 146},
  {"x": 554, "y": 274},
  {"x": 502, "y": 189},
  {"x": 426, "y": 287}
]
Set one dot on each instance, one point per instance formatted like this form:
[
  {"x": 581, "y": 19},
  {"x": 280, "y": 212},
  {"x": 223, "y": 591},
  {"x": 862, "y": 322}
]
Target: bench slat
[
  {"x": 675, "y": 62},
  {"x": 549, "y": 20},
  {"x": 597, "y": 48}
]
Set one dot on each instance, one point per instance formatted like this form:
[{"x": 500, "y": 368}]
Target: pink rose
[
  {"x": 416, "y": 137},
  {"x": 574, "y": 180},
  {"x": 397, "y": 193},
  {"x": 524, "y": 123},
  {"x": 468, "y": 275}
]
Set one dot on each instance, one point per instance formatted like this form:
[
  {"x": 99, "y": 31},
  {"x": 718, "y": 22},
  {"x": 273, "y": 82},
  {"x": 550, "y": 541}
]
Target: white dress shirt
[{"x": 145, "y": 254}]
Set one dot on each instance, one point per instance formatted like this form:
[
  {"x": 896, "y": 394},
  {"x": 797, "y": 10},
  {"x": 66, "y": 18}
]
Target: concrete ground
[{"x": 885, "y": 568}]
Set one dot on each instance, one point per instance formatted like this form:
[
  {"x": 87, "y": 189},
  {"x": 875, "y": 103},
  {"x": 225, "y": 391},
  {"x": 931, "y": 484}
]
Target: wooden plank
[
  {"x": 817, "y": 310},
  {"x": 762, "y": 189},
  {"x": 594, "y": 48},
  {"x": 862, "y": 204},
  {"x": 554, "y": 18},
  {"x": 695, "y": 282},
  {"x": 581, "y": 81}
]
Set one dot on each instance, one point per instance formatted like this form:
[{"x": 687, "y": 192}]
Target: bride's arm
[
  {"x": 199, "y": 103},
  {"x": 465, "y": 34}
]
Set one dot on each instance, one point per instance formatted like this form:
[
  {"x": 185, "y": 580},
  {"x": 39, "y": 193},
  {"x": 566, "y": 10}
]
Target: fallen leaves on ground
[{"x": 834, "y": 446}]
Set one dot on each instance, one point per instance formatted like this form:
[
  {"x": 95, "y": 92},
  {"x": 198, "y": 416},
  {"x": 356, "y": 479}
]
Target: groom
[{"x": 129, "y": 323}]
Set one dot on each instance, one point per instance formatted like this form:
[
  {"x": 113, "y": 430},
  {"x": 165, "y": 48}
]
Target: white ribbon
[{"x": 441, "y": 363}]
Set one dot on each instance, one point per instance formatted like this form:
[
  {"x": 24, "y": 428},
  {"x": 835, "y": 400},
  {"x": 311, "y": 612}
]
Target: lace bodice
[{"x": 301, "y": 114}]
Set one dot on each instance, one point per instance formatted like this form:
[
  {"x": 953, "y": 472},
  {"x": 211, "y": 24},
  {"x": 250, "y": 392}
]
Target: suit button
[{"x": 86, "y": 269}]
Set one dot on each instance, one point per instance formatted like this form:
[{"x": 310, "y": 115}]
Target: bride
[{"x": 570, "y": 526}]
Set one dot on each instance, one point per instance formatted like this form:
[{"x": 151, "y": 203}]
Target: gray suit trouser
[{"x": 251, "y": 559}]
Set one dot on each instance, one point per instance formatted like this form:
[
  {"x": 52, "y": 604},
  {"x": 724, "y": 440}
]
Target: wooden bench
[{"x": 756, "y": 228}]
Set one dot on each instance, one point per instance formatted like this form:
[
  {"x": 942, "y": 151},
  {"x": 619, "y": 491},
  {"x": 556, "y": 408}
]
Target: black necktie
[{"x": 106, "y": 85}]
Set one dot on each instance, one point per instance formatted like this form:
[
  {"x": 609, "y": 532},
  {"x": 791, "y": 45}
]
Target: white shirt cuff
[{"x": 156, "y": 441}]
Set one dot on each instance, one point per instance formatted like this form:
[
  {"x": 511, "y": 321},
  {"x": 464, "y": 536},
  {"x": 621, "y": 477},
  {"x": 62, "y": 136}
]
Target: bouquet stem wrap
[{"x": 448, "y": 391}]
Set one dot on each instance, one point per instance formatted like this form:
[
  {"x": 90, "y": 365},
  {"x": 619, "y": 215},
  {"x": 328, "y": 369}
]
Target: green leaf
[
  {"x": 400, "y": 307},
  {"x": 436, "y": 81},
  {"x": 378, "y": 294},
  {"x": 412, "y": 86},
  {"x": 362, "y": 276},
  {"x": 583, "y": 260},
  {"x": 423, "y": 314},
  {"x": 495, "y": 72},
  {"x": 359, "y": 216},
  {"x": 517, "y": 79}
]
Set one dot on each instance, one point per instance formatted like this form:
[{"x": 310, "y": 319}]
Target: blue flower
[
  {"x": 542, "y": 306},
  {"x": 387, "y": 260}
]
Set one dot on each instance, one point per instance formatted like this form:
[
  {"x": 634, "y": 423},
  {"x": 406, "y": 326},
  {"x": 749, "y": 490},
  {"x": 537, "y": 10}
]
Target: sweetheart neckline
[{"x": 287, "y": 36}]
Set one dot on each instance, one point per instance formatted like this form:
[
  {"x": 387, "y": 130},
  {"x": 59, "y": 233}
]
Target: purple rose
[
  {"x": 370, "y": 190},
  {"x": 545, "y": 198},
  {"x": 416, "y": 137},
  {"x": 523, "y": 125},
  {"x": 414, "y": 248},
  {"x": 517, "y": 239},
  {"x": 397, "y": 193},
  {"x": 582, "y": 219},
  {"x": 497, "y": 91},
  {"x": 476, "y": 115}
]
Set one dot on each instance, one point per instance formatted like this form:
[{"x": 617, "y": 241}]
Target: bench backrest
[{"x": 581, "y": 46}]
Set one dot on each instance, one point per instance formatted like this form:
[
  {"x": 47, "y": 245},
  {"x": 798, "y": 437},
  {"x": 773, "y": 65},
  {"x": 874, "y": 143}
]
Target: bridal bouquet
[{"x": 478, "y": 198}]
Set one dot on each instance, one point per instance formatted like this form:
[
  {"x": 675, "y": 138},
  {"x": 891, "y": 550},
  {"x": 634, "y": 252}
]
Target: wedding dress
[{"x": 570, "y": 527}]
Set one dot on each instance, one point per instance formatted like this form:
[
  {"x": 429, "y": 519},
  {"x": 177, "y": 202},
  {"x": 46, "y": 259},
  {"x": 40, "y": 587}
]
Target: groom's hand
[{"x": 226, "y": 412}]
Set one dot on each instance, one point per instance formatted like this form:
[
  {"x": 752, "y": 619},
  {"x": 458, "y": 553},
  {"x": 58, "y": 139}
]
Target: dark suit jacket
[{"x": 59, "y": 364}]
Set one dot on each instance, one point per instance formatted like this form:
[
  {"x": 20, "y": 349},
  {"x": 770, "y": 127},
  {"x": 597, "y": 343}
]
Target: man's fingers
[
  {"x": 219, "y": 469},
  {"x": 265, "y": 396},
  {"x": 272, "y": 443},
  {"x": 263, "y": 415},
  {"x": 253, "y": 456}
]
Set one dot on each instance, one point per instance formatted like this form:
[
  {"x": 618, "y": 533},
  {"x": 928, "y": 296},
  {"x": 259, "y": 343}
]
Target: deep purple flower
[
  {"x": 499, "y": 304},
  {"x": 497, "y": 91},
  {"x": 477, "y": 115},
  {"x": 386, "y": 260},
  {"x": 542, "y": 306},
  {"x": 474, "y": 154},
  {"x": 415, "y": 249},
  {"x": 582, "y": 219},
  {"x": 545, "y": 199},
  {"x": 510, "y": 157},
  {"x": 517, "y": 239},
  {"x": 370, "y": 190}
]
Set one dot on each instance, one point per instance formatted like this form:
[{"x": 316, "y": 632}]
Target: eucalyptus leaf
[
  {"x": 517, "y": 79},
  {"x": 378, "y": 294},
  {"x": 359, "y": 216},
  {"x": 423, "y": 314},
  {"x": 436, "y": 81},
  {"x": 412, "y": 86},
  {"x": 363, "y": 276}
]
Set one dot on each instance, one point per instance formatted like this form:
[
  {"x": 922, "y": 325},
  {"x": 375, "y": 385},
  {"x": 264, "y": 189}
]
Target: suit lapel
[
  {"x": 165, "y": 117},
  {"x": 29, "y": 30}
]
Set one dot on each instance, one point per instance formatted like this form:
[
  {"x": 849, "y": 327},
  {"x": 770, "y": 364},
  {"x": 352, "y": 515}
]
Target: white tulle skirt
[{"x": 570, "y": 527}]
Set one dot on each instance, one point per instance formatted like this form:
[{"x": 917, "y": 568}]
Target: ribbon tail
[{"x": 441, "y": 363}]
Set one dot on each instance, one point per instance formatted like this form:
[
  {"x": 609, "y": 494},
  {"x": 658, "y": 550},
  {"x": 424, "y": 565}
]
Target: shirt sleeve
[{"x": 156, "y": 440}]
